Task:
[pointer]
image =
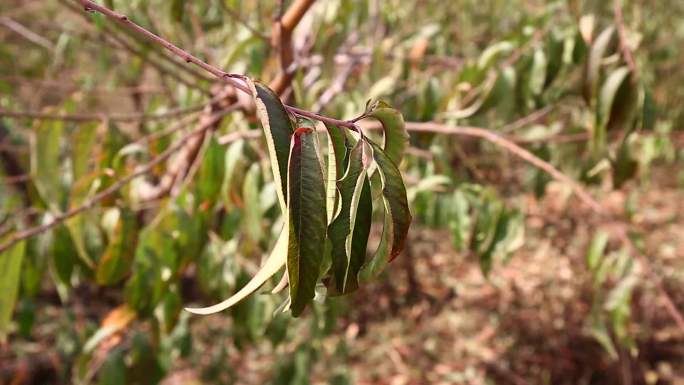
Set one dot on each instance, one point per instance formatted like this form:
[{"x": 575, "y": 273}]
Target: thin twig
[
  {"x": 172, "y": 113},
  {"x": 26, "y": 33},
  {"x": 235, "y": 80},
  {"x": 507, "y": 144},
  {"x": 148, "y": 167},
  {"x": 624, "y": 45},
  {"x": 527, "y": 120}
]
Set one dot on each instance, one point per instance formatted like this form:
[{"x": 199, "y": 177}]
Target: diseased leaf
[
  {"x": 396, "y": 137},
  {"x": 348, "y": 232},
  {"x": 397, "y": 214},
  {"x": 10, "y": 269},
  {"x": 278, "y": 128},
  {"x": 307, "y": 217},
  {"x": 118, "y": 258},
  {"x": 275, "y": 262}
]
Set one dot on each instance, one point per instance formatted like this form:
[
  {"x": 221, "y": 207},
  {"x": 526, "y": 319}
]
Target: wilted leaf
[
  {"x": 275, "y": 262},
  {"x": 307, "y": 217},
  {"x": 348, "y": 232},
  {"x": 397, "y": 214},
  {"x": 277, "y": 129}
]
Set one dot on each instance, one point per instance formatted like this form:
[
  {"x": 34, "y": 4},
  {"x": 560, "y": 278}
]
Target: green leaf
[
  {"x": 278, "y": 128},
  {"x": 396, "y": 137},
  {"x": 118, "y": 257},
  {"x": 45, "y": 151},
  {"x": 397, "y": 214},
  {"x": 616, "y": 105},
  {"x": 598, "y": 51},
  {"x": 348, "y": 232},
  {"x": 275, "y": 262},
  {"x": 459, "y": 222},
  {"x": 337, "y": 152},
  {"x": 596, "y": 249},
  {"x": 211, "y": 171},
  {"x": 83, "y": 141},
  {"x": 538, "y": 72},
  {"x": 10, "y": 268},
  {"x": 307, "y": 217},
  {"x": 252, "y": 211}
]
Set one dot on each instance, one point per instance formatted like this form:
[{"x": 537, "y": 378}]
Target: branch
[
  {"x": 235, "y": 80},
  {"x": 27, "y": 34},
  {"x": 282, "y": 38},
  {"x": 104, "y": 194},
  {"x": 173, "y": 113},
  {"x": 507, "y": 144}
]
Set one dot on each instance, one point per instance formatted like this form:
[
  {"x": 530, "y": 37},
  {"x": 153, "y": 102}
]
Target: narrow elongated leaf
[
  {"x": 10, "y": 269},
  {"x": 252, "y": 212},
  {"x": 348, "y": 232},
  {"x": 397, "y": 214},
  {"x": 83, "y": 141},
  {"x": 45, "y": 149},
  {"x": 598, "y": 51},
  {"x": 396, "y": 137},
  {"x": 337, "y": 152},
  {"x": 611, "y": 112},
  {"x": 211, "y": 171},
  {"x": 307, "y": 217},
  {"x": 278, "y": 128},
  {"x": 118, "y": 258},
  {"x": 274, "y": 263}
]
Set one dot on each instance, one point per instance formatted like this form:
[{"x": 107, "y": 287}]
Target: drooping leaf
[
  {"x": 118, "y": 257},
  {"x": 397, "y": 214},
  {"x": 538, "y": 72},
  {"x": 307, "y": 217},
  {"x": 278, "y": 128},
  {"x": 348, "y": 232},
  {"x": 10, "y": 268},
  {"x": 459, "y": 221},
  {"x": 83, "y": 141},
  {"x": 396, "y": 137},
  {"x": 275, "y": 262},
  {"x": 337, "y": 152},
  {"x": 596, "y": 249}
]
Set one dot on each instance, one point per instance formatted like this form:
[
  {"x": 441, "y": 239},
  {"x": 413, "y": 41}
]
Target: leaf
[
  {"x": 538, "y": 72},
  {"x": 598, "y": 51},
  {"x": 10, "y": 269},
  {"x": 625, "y": 166},
  {"x": 307, "y": 217},
  {"x": 595, "y": 251},
  {"x": 397, "y": 214},
  {"x": 348, "y": 232},
  {"x": 611, "y": 111},
  {"x": 337, "y": 152},
  {"x": 118, "y": 258},
  {"x": 275, "y": 262},
  {"x": 83, "y": 141},
  {"x": 252, "y": 211},
  {"x": 45, "y": 151},
  {"x": 460, "y": 220},
  {"x": 278, "y": 128},
  {"x": 211, "y": 171},
  {"x": 396, "y": 137}
]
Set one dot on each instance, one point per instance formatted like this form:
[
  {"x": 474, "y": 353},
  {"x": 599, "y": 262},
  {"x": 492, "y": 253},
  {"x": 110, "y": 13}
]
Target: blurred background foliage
[{"x": 506, "y": 279}]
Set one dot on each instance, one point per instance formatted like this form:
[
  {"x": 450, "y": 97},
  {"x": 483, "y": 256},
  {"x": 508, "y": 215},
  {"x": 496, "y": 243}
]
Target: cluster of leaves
[{"x": 327, "y": 220}]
